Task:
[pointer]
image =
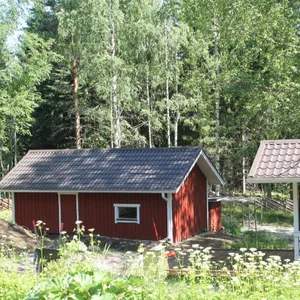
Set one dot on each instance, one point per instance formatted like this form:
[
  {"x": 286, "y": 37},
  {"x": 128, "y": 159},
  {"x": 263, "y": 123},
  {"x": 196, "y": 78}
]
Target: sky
[{"x": 13, "y": 40}]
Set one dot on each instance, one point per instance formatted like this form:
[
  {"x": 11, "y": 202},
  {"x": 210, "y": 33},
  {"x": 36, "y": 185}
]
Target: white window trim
[{"x": 137, "y": 206}]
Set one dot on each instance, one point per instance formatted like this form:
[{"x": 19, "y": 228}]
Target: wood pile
[{"x": 5, "y": 204}]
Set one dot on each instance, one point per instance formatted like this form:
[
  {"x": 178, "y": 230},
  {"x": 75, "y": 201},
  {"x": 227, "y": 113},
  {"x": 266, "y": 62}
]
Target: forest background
[{"x": 149, "y": 73}]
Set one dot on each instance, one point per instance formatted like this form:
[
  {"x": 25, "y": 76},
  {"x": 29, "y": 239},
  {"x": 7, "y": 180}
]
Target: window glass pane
[{"x": 127, "y": 213}]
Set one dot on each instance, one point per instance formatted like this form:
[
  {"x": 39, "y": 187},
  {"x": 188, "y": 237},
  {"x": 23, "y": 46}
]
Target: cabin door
[{"x": 68, "y": 209}]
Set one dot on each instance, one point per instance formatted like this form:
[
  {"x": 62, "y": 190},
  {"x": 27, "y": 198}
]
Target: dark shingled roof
[
  {"x": 105, "y": 170},
  {"x": 276, "y": 161}
]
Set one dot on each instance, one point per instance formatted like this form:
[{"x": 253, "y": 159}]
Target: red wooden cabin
[{"x": 137, "y": 193}]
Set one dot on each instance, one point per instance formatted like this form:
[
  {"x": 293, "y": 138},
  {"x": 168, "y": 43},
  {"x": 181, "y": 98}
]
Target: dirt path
[{"x": 16, "y": 237}]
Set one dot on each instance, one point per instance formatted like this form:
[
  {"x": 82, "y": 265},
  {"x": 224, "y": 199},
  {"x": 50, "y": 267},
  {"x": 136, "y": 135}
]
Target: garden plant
[{"x": 244, "y": 275}]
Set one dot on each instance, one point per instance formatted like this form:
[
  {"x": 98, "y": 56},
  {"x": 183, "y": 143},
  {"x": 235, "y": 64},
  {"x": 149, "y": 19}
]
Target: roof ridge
[
  {"x": 113, "y": 149},
  {"x": 280, "y": 141}
]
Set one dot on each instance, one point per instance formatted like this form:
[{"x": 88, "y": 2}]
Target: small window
[{"x": 127, "y": 213}]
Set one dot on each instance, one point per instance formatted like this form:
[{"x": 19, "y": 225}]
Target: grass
[
  {"x": 234, "y": 213},
  {"x": 6, "y": 215},
  {"x": 262, "y": 240},
  {"x": 275, "y": 217},
  {"x": 232, "y": 219}
]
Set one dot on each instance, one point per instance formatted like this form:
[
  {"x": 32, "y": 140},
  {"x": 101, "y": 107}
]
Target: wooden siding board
[
  {"x": 215, "y": 221},
  {"x": 37, "y": 206},
  {"x": 190, "y": 206},
  {"x": 97, "y": 211}
]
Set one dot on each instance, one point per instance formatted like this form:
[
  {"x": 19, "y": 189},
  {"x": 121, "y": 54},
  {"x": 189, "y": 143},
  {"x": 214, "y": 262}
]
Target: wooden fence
[
  {"x": 5, "y": 204},
  {"x": 275, "y": 204}
]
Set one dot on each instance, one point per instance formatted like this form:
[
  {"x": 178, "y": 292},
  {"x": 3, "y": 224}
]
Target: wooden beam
[
  {"x": 13, "y": 208},
  {"x": 296, "y": 219}
]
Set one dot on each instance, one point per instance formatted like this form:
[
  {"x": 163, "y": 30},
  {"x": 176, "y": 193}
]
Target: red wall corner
[{"x": 190, "y": 206}]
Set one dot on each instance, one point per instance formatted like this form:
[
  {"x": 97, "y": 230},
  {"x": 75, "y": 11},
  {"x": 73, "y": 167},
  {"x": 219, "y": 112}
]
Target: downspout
[
  {"x": 207, "y": 208},
  {"x": 59, "y": 213},
  {"x": 13, "y": 207},
  {"x": 296, "y": 220},
  {"x": 168, "y": 199}
]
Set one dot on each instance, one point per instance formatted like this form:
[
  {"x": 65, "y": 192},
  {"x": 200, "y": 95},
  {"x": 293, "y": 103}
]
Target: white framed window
[{"x": 127, "y": 213}]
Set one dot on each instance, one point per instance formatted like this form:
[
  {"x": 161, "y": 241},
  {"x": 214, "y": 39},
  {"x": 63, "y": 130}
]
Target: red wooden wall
[
  {"x": 97, "y": 211},
  {"x": 190, "y": 206},
  {"x": 215, "y": 221},
  {"x": 37, "y": 206}
]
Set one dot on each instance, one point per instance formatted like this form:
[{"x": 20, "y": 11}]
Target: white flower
[
  {"x": 38, "y": 223},
  {"x": 235, "y": 280}
]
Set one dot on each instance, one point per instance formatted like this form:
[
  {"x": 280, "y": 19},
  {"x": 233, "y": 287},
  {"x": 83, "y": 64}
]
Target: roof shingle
[
  {"x": 277, "y": 160},
  {"x": 102, "y": 170}
]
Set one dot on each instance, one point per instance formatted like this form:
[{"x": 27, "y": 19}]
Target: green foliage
[
  {"x": 230, "y": 62},
  {"x": 6, "y": 215},
  {"x": 244, "y": 275},
  {"x": 275, "y": 217},
  {"x": 262, "y": 240},
  {"x": 234, "y": 227},
  {"x": 81, "y": 285},
  {"x": 14, "y": 285}
]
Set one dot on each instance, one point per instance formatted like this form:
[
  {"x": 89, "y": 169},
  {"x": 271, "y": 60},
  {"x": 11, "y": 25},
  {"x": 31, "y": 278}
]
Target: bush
[{"x": 234, "y": 227}]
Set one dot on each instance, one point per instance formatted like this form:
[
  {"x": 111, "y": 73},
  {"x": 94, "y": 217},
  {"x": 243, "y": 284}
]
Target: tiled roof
[
  {"x": 110, "y": 170},
  {"x": 276, "y": 161}
]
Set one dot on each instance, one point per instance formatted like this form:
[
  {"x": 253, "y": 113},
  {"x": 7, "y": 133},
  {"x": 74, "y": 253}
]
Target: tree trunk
[
  {"x": 1, "y": 163},
  {"x": 167, "y": 85},
  {"x": 244, "y": 164},
  {"x": 217, "y": 97},
  {"x": 176, "y": 127},
  {"x": 13, "y": 144},
  {"x": 116, "y": 122},
  {"x": 111, "y": 121},
  {"x": 75, "y": 99},
  {"x": 149, "y": 108},
  {"x": 177, "y": 107}
]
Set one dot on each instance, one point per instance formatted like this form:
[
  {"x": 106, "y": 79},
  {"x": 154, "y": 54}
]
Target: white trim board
[
  {"x": 137, "y": 206},
  {"x": 296, "y": 220},
  {"x": 168, "y": 199},
  {"x": 273, "y": 180},
  {"x": 13, "y": 208}
]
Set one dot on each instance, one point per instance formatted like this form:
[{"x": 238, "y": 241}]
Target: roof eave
[
  {"x": 89, "y": 191},
  {"x": 273, "y": 180},
  {"x": 217, "y": 177}
]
